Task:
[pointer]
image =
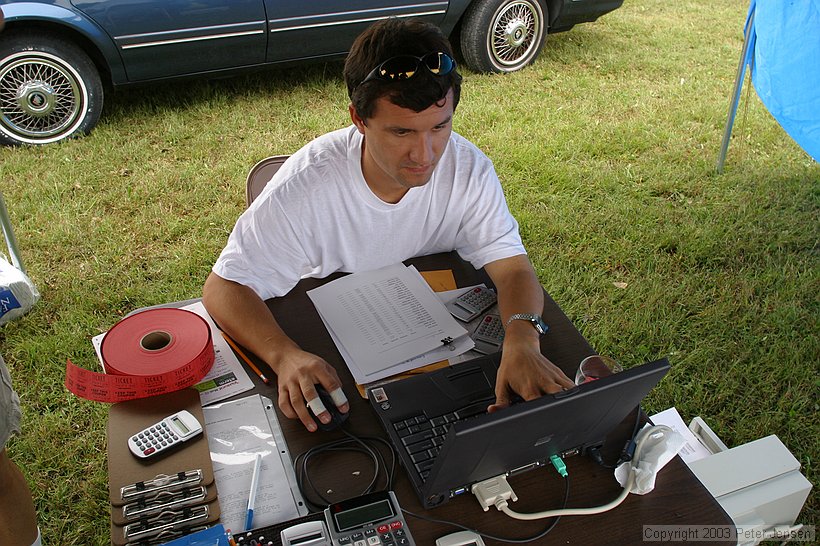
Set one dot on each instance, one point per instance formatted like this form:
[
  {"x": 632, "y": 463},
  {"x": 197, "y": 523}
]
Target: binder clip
[{"x": 448, "y": 342}]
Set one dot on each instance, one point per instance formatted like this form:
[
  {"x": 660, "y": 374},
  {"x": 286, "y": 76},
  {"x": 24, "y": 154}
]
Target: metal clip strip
[
  {"x": 164, "y": 500},
  {"x": 169, "y": 520},
  {"x": 162, "y": 482},
  {"x": 168, "y": 535}
]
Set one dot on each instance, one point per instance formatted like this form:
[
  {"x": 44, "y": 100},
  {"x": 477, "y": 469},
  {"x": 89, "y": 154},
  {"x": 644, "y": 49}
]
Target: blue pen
[{"x": 252, "y": 494}]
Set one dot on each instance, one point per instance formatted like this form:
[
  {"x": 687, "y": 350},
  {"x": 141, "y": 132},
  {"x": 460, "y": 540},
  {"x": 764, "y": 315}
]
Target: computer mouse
[{"x": 336, "y": 416}]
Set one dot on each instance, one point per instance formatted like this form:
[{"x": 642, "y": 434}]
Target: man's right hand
[
  {"x": 244, "y": 316},
  {"x": 297, "y": 373}
]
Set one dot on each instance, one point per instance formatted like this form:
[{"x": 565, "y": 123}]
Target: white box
[{"x": 759, "y": 484}]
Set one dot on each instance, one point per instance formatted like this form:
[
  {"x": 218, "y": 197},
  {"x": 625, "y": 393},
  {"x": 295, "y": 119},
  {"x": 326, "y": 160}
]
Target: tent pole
[
  {"x": 11, "y": 242},
  {"x": 741, "y": 72}
]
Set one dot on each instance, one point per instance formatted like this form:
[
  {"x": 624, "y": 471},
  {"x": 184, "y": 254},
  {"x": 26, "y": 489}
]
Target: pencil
[{"x": 244, "y": 357}]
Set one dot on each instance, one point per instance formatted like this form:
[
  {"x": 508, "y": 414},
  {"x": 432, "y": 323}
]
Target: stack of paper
[{"x": 388, "y": 321}]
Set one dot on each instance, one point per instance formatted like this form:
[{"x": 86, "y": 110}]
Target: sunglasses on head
[{"x": 404, "y": 67}]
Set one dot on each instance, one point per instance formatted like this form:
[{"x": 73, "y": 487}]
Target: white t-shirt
[{"x": 318, "y": 216}]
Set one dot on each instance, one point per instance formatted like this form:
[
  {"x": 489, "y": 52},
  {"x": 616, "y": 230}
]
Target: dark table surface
[{"x": 678, "y": 499}]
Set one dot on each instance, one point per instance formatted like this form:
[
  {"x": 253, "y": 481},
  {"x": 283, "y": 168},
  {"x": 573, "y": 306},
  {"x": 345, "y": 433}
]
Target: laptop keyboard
[{"x": 423, "y": 437}]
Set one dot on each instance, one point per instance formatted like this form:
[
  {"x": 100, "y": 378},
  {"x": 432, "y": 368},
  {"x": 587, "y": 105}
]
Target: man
[
  {"x": 396, "y": 184},
  {"x": 18, "y": 522}
]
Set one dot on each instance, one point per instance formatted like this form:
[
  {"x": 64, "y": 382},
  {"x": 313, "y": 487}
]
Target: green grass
[{"x": 606, "y": 148}]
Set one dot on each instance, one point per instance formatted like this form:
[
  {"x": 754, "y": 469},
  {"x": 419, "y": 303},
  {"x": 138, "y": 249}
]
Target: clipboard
[
  {"x": 170, "y": 477},
  {"x": 238, "y": 430}
]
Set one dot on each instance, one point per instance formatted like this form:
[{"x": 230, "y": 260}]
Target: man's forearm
[
  {"x": 518, "y": 288},
  {"x": 244, "y": 316},
  {"x": 518, "y": 292},
  {"x": 524, "y": 370}
]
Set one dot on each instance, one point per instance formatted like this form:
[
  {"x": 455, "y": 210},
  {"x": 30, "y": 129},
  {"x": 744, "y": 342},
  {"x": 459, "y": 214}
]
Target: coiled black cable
[{"x": 352, "y": 443}]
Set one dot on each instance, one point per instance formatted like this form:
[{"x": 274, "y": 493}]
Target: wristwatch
[{"x": 536, "y": 320}]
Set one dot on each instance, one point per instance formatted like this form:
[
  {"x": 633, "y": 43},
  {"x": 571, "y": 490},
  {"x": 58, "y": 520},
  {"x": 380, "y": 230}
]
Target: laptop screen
[
  {"x": 510, "y": 440},
  {"x": 529, "y": 433}
]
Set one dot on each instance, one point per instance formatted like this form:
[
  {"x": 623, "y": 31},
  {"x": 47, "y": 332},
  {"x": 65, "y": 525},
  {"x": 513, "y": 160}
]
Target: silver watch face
[
  {"x": 539, "y": 324},
  {"x": 536, "y": 320}
]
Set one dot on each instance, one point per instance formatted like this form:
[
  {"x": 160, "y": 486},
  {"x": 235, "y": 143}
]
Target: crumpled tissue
[
  {"x": 17, "y": 293},
  {"x": 661, "y": 445}
]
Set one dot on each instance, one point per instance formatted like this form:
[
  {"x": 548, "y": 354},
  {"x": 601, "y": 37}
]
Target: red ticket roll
[{"x": 152, "y": 352}]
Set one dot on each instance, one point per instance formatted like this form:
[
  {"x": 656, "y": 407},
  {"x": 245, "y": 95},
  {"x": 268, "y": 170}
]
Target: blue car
[{"x": 58, "y": 56}]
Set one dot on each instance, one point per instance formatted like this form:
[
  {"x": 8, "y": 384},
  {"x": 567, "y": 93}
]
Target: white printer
[{"x": 759, "y": 484}]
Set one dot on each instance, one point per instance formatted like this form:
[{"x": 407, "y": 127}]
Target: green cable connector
[{"x": 559, "y": 465}]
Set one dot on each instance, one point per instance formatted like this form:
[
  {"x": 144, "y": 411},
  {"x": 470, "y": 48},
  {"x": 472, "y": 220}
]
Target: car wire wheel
[
  {"x": 41, "y": 98},
  {"x": 49, "y": 89},
  {"x": 503, "y": 35},
  {"x": 515, "y": 32}
]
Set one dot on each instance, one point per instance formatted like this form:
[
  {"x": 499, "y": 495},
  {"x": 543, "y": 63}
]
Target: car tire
[
  {"x": 503, "y": 35},
  {"x": 49, "y": 89}
]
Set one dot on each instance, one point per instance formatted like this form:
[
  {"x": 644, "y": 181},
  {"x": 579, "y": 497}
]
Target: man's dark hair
[{"x": 388, "y": 38}]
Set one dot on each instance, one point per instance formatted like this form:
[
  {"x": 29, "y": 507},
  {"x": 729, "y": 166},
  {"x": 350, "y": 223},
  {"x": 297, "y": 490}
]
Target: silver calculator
[
  {"x": 373, "y": 519},
  {"x": 489, "y": 334},
  {"x": 472, "y": 303}
]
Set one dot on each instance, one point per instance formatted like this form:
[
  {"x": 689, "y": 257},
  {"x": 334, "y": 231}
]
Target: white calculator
[{"x": 162, "y": 436}]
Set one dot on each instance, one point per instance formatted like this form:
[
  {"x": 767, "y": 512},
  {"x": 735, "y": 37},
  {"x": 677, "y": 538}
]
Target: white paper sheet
[
  {"x": 462, "y": 347},
  {"x": 458, "y": 347},
  {"x": 692, "y": 449},
  {"x": 387, "y": 319},
  {"x": 237, "y": 431}
]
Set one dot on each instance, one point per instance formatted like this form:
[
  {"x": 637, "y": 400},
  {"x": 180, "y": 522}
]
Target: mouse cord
[
  {"x": 494, "y": 537},
  {"x": 351, "y": 443},
  {"x": 379, "y": 461}
]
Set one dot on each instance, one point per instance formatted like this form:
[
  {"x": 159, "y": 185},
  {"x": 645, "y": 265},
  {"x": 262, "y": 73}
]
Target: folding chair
[{"x": 259, "y": 176}]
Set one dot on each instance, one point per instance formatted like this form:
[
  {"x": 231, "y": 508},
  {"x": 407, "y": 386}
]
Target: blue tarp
[{"x": 784, "y": 54}]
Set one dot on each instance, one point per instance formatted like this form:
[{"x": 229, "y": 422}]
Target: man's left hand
[{"x": 526, "y": 372}]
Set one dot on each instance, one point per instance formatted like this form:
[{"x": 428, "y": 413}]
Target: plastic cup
[{"x": 595, "y": 367}]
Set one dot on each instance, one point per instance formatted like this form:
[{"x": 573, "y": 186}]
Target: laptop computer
[{"x": 446, "y": 441}]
